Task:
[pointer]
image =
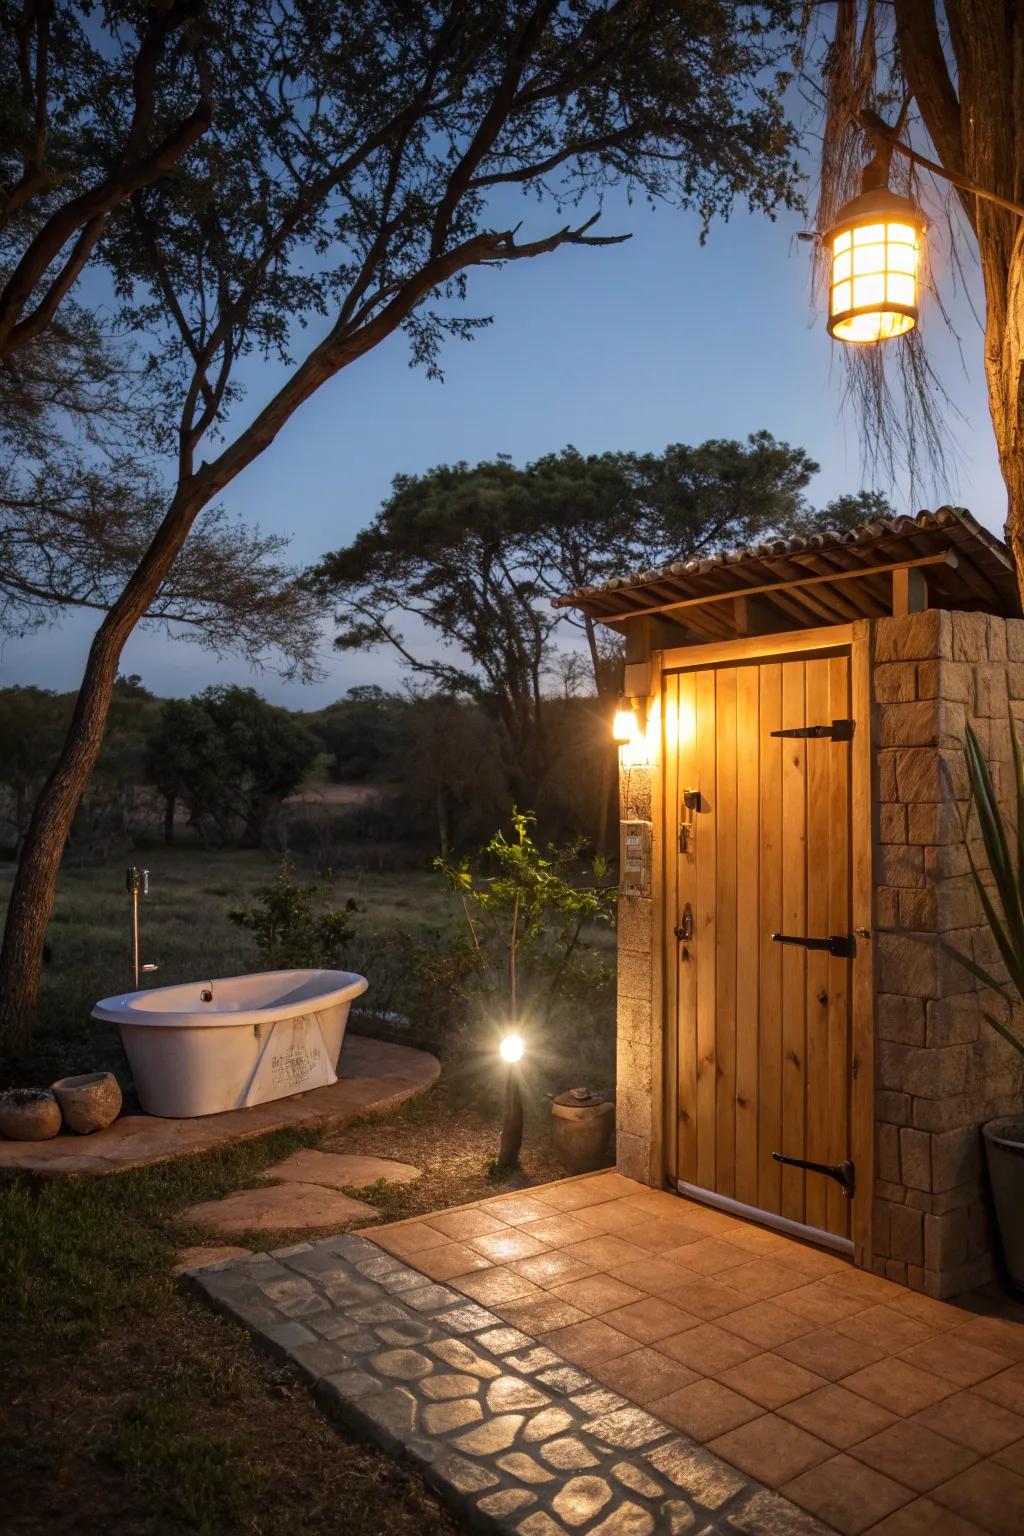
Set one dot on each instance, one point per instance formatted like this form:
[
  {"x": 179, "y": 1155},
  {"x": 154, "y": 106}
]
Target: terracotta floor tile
[
  {"x": 756, "y": 1239},
  {"x": 515, "y": 1209},
  {"x": 658, "y": 1202},
  {"x": 649, "y": 1319},
  {"x": 606, "y": 1251},
  {"x": 500, "y": 1247},
  {"x": 1006, "y": 1389},
  {"x": 552, "y": 1268},
  {"x": 1013, "y": 1457},
  {"x": 654, "y": 1276},
  {"x": 957, "y": 1360},
  {"x": 771, "y": 1449},
  {"x": 763, "y": 1278},
  {"x": 589, "y": 1341},
  {"x": 831, "y": 1354},
  {"x": 939, "y": 1315},
  {"x": 462, "y": 1224},
  {"x": 923, "y": 1517},
  {"x": 707, "y": 1348},
  {"x": 848, "y": 1495},
  {"x": 971, "y": 1420},
  {"x": 914, "y": 1455},
  {"x": 886, "y": 1327},
  {"x": 770, "y": 1380},
  {"x": 712, "y": 1255},
  {"x": 643, "y": 1375},
  {"x": 813, "y": 1263},
  {"x": 575, "y": 1194},
  {"x": 838, "y": 1416},
  {"x": 556, "y": 1231},
  {"x": 989, "y": 1494},
  {"x": 540, "y": 1314},
  {"x": 704, "y": 1297},
  {"x": 494, "y": 1286},
  {"x": 902, "y": 1388},
  {"x": 860, "y": 1282},
  {"x": 609, "y": 1216},
  {"x": 705, "y": 1410},
  {"x": 822, "y": 1304},
  {"x": 449, "y": 1260},
  {"x": 597, "y": 1294},
  {"x": 765, "y": 1323},
  {"x": 414, "y": 1237},
  {"x": 1006, "y": 1338},
  {"x": 656, "y": 1235}
]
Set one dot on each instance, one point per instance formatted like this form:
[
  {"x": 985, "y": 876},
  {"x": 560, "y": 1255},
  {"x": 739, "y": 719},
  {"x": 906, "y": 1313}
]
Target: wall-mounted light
[{"x": 625, "y": 726}]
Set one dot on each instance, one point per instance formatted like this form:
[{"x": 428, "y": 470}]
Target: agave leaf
[
  {"x": 1001, "y": 1029},
  {"x": 977, "y": 970},
  {"x": 994, "y": 837},
  {"x": 1018, "y": 770},
  {"x": 1012, "y": 959}
]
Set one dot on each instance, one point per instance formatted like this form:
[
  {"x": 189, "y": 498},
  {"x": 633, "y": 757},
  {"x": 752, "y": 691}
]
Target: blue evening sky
[{"x": 627, "y": 347}]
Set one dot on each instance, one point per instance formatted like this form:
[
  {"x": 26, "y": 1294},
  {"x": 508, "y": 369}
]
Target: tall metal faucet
[{"x": 137, "y": 884}]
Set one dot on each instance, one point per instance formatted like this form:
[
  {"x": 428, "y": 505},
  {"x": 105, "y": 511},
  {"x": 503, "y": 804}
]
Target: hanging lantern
[{"x": 874, "y": 250}]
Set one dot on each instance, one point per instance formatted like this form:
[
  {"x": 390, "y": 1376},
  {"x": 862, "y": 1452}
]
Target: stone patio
[
  {"x": 874, "y": 1408},
  {"x": 373, "y": 1077}
]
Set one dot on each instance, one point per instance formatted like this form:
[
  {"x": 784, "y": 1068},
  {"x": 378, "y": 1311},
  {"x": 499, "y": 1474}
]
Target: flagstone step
[
  {"x": 342, "y": 1170},
  {"x": 288, "y": 1207}
]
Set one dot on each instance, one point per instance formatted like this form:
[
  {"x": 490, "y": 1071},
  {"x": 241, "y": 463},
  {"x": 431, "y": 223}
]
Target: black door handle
[
  {"x": 843, "y": 1173},
  {"x": 839, "y": 944}
]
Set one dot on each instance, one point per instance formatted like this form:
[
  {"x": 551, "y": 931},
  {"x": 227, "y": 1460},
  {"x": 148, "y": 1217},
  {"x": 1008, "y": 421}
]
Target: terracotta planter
[
  {"x": 29, "y": 1114},
  {"x": 582, "y": 1126},
  {"x": 1004, "y": 1154},
  {"x": 90, "y": 1102}
]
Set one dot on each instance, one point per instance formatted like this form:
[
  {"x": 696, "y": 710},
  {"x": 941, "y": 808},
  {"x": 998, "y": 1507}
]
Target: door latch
[
  {"x": 839, "y": 730},
  {"x": 843, "y": 1173},
  {"x": 691, "y": 804},
  {"x": 684, "y": 929},
  {"x": 839, "y": 944}
]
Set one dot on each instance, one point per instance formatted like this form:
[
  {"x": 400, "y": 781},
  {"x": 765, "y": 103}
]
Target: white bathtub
[{"x": 207, "y": 1046}]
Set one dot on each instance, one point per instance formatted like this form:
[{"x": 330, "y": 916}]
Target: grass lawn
[{"x": 127, "y": 1405}]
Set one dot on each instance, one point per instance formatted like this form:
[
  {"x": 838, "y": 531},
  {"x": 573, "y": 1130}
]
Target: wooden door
[{"x": 763, "y": 1029}]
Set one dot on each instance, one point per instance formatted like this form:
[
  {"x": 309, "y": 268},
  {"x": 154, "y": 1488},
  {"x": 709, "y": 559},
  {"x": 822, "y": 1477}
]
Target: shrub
[{"x": 292, "y": 927}]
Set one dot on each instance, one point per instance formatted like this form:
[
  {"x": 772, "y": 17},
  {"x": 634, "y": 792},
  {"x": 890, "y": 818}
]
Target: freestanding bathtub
[{"x": 207, "y": 1046}]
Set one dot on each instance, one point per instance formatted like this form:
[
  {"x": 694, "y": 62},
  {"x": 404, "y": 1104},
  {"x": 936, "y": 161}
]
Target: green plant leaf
[{"x": 1001, "y": 1029}]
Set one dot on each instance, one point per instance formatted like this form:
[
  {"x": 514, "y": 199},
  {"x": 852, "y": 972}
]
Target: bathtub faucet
[{"x": 137, "y": 884}]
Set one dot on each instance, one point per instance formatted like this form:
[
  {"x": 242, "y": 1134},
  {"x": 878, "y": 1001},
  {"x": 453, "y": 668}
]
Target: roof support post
[{"x": 909, "y": 591}]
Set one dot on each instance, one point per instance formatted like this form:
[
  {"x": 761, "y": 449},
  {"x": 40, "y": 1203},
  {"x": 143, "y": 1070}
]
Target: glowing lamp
[
  {"x": 874, "y": 249},
  {"x": 625, "y": 726},
  {"x": 511, "y": 1048}
]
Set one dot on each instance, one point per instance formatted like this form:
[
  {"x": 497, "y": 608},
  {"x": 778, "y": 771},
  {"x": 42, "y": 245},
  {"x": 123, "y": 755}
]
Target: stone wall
[
  {"x": 940, "y": 1069},
  {"x": 639, "y": 1038}
]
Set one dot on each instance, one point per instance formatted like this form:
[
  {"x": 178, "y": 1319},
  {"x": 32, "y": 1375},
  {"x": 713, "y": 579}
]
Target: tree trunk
[
  {"x": 35, "y": 881},
  {"x": 1004, "y": 370},
  {"x": 169, "y": 804}
]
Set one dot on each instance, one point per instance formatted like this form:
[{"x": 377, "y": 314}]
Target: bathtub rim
[{"x": 118, "y": 1009}]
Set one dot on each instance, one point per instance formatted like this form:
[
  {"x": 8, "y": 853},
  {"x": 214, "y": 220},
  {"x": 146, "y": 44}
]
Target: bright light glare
[
  {"x": 512, "y": 1048},
  {"x": 624, "y": 726}
]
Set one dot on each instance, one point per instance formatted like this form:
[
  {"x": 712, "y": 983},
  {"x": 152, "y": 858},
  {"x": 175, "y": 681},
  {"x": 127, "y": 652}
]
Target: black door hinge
[
  {"x": 843, "y": 1173},
  {"x": 838, "y": 944},
  {"x": 839, "y": 730}
]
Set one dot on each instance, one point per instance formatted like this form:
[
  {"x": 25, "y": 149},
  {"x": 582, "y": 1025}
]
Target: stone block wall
[
  {"x": 940, "y": 1069},
  {"x": 639, "y": 1044}
]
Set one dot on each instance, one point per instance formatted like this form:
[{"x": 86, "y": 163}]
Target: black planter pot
[{"x": 1004, "y": 1154}]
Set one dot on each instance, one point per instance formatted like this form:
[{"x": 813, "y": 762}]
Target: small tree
[
  {"x": 230, "y": 757},
  {"x": 292, "y": 926}
]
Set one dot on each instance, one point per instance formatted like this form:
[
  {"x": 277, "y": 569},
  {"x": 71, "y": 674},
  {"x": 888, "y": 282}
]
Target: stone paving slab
[
  {"x": 511, "y": 1435},
  {"x": 278, "y": 1208},
  {"x": 342, "y": 1170},
  {"x": 374, "y": 1076}
]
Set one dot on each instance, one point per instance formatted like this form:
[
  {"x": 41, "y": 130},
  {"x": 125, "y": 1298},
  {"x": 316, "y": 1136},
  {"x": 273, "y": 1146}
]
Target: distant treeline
[{"x": 225, "y": 767}]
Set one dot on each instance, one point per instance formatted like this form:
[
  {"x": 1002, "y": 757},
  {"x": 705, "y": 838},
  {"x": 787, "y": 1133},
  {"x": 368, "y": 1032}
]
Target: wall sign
[{"x": 635, "y": 858}]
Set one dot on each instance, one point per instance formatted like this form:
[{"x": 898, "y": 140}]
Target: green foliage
[
  {"x": 529, "y": 926},
  {"x": 1005, "y": 919},
  {"x": 231, "y": 758},
  {"x": 293, "y": 928}
]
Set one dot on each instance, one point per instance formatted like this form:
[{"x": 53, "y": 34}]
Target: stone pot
[
  {"x": 1004, "y": 1154},
  {"x": 582, "y": 1124},
  {"x": 29, "y": 1114},
  {"x": 90, "y": 1102}
]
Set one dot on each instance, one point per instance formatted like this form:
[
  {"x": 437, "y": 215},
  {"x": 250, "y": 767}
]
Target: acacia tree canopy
[{"x": 356, "y": 166}]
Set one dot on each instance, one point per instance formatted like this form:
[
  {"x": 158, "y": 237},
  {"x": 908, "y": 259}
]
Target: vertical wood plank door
[{"x": 762, "y": 1051}]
